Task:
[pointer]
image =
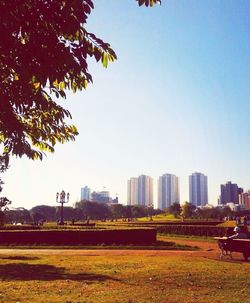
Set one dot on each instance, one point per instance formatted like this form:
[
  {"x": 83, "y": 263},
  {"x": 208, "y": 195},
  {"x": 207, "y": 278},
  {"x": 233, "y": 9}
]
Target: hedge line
[
  {"x": 79, "y": 237},
  {"x": 193, "y": 230}
]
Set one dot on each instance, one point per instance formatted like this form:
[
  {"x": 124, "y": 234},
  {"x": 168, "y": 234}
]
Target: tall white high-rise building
[
  {"x": 132, "y": 191},
  {"x": 145, "y": 190},
  {"x": 168, "y": 191},
  {"x": 86, "y": 193},
  {"x": 198, "y": 195},
  {"x": 140, "y": 191}
]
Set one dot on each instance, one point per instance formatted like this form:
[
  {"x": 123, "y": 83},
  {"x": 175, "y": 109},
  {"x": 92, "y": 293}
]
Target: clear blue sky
[{"x": 176, "y": 101}]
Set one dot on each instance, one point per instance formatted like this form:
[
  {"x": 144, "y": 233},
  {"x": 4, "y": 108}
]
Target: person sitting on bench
[{"x": 239, "y": 233}]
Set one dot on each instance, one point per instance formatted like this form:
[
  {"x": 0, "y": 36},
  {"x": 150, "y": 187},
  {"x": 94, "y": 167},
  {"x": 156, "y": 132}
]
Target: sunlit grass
[
  {"x": 160, "y": 217},
  {"x": 172, "y": 237},
  {"x": 228, "y": 224},
  {"x": 137, "y": 278}
]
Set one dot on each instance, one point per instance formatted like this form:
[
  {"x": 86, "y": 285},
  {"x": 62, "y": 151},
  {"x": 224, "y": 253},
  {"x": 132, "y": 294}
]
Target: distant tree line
[
  {"x": 86, "y": 210},
  {"x": 190, "y": 211},
  {"x": 83, "y": 210}
]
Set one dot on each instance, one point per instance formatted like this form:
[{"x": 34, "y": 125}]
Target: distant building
[
  {"x": 115, "y": 200},
  {"x": 101, "y": 197},
  {"x": 132, "y": 191},
  {"x": 168, "y": 191},
  {"x": 198, "y": 194},
  {"x": 207, "y": 206},
  {"x": 244, "y": 200},
  {"x": 145, "y": 190},
  {"x": 232, "y": 206},
  {"x": 230, "y": 193},
  {"x": 140, "y": 191},
  {"x": 85, "y": 193},
  {"x": 247, "y": 204}
]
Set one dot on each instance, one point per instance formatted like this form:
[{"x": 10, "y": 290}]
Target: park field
[{"x": 123, "y": 276}]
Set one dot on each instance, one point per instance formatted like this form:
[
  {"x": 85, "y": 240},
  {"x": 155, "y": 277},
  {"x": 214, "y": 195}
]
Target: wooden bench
[{"x": 228, "y": 246}]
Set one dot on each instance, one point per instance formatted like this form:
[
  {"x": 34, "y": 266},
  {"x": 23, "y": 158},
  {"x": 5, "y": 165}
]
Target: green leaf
[
  {"x": 105, "y": 59},
  {"x": 62, "y": 85}
]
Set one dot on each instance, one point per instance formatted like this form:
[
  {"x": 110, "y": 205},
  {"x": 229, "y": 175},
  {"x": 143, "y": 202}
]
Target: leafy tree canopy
[
  {"x": 4, "y": 202},
  {"x": 175, "y": 209},
  {"x": 44, "y": 48},
  {"x": 21, "y": 215},
  {"x": 44, "y": 212},
  {"x": 93, "y": 210},
  {"x": 187, "y": 210}
]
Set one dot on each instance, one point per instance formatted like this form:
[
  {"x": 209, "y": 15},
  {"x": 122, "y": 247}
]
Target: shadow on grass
[{"x": 44, "y": 272}]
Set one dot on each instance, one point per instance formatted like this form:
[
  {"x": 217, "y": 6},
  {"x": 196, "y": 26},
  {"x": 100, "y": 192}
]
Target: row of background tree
[
  {"x": 85, "y": 210},
  {"x": 188, "y": 210}
]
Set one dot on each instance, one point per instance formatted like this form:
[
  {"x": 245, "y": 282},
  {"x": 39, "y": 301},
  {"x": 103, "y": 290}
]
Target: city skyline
[
  {"x": 86, "y": 190},
  {"x": 177, "y": 100},
  {"x": 167, "y": 191}
]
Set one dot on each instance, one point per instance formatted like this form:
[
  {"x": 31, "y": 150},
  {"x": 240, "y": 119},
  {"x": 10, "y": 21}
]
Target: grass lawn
[
  {"x": 172, "y": 237},
  {"x": 160, "y": 217},
  {"x": 63, "y": 276}
]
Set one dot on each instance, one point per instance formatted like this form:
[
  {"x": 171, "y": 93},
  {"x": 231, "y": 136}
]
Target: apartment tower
[
  {"x": 230, "y": 193},
  {"x": 168, "y": 191},
  {"x": 132, "y": 191},
  {"x": 198, "y": 189},
  {"x": 85, "y": 193},
  {"x": 140, "y": 191}
]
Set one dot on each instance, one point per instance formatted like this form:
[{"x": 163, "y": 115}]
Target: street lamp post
[
  {"x": 150, "y": 210},
  {"x": 62, "y": 200}
]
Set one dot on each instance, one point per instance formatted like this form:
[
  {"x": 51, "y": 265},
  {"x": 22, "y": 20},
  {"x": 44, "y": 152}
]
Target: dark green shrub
[
  {"x": 79, "y": 237},
  {"x": 2, "y": 218},
  {"x": 193, "y": 230}
]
